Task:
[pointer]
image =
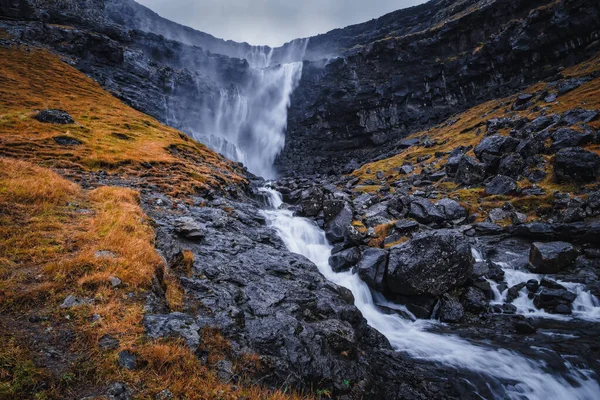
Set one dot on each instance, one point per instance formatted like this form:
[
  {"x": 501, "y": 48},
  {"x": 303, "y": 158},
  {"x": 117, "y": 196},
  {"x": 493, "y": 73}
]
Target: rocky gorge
[{"x": 429, "y": 223}]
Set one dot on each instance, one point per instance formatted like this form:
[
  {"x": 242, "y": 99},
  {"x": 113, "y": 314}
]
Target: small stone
[
  {"x": 114, "y": 281},
  {"x": 164, "y": 395},
  {"x": 127, "y": 360}
]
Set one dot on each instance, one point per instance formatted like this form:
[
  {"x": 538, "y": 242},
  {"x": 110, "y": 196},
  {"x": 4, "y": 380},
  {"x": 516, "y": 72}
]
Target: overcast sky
[{"x": 272, "y": 22}]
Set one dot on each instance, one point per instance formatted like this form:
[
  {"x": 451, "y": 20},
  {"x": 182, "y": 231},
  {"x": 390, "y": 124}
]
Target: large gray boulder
[
  {"x": 344, "y": 260},
  {"x": 430, "y": 264},
  {"x": 575, "y": 164},
  {"x": 553, "y": 257}
]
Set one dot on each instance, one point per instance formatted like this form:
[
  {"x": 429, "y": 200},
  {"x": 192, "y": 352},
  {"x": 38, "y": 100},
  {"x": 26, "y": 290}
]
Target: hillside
[{"x": 77, "y": 256}]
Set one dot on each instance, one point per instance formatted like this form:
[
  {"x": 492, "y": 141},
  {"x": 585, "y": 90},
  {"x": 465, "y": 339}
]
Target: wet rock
[
  {"x": 377, "y": 215},
  {"x": 338, "y": 334},
  {"x": 59, "y": 117},
  {"x": 312, "y": 202},
  {"x": 127, "y": 360},
  {"x": 524, "y": 327},
  {"x": 480, "y": 269},
  {"x": 177, "y": 325},
  {"x": 512, "y": 165},
  {"x": 578, "y": 116},
  {"x": 430, "y": 264},
  {"x": 501, "y": 185},
  {"x": 553, "y": 257},
  {"x": 567, "y": 85},
  {"x": 565, "y": 137},
  {"x": 487, "y": 229},
  {"x": 406, "y": 226},
  {"x": 532, "y": 286},
  {"x": 470, "y": 171},
  {"x": 372, "y": 267},
  {"x": 344, "y": 260},
  {"x": 542, "y": 122},
  {"x": 549, "y": 283},
  {"x": 513, "y": 292},
  {"x": 474, "y": 300},
  {"x": 530, "y": 147},
  {"x": 492, "y": 148},
  {"x": 425, "y": 212},
  {"x": 190, "y": 229},
  {"x": 575, "y": 164},
  {"x": 452, "y": 210},
  {"x": 331, "y": 208},
  {"x": 451, "y": 310},
  {"x": 554, "y": 300},
  {"x": 339, "y": 228}
]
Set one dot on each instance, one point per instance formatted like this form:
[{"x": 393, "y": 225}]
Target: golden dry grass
[
  {"x": 115, "y": 138},
  {"x": 49, "y": 249}
]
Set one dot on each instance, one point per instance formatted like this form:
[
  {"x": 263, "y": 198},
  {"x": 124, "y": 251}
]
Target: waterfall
[
  {"x": 507, "y": 374},
  {"x": 248, "y": 124}
]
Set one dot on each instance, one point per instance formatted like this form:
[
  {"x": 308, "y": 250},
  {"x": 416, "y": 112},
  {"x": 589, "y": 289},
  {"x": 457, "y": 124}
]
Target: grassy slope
[
  {"x": 51, "y": 230},
  {"x": 469, "y": 127}
]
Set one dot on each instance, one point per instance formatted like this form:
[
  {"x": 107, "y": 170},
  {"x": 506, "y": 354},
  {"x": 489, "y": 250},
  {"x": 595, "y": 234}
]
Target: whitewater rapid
[{"x": 510, "y": 375}]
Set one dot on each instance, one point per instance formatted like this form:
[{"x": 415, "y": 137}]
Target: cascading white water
[
  {"x": 250, "y": 124},
  {"x": 517, "y": 376},
  {"x": 585, "y": 307}
]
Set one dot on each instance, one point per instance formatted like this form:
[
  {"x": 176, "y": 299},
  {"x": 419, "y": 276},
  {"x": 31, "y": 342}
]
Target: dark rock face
[
  {"x": 555, "y": 300},
  {"x": 430, "y": 264},
  {"x": 366, "y": 102},
  {"x": 55, "y": 117},
  {"x": 451, "y": 310},
  {"x": 553, "y": 257},
  {"x": 425, "y": 212},
  {"x": 575, "y": 164}
]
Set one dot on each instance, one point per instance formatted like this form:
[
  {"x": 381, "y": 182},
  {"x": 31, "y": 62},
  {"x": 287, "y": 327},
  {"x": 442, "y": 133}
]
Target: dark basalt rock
[
  {"x": 575, "y": 164},
  {"x": 344, "y": 260},
  {"x": 452, "y": 210},
  {"x": 501, "y": 185},
  {"x": 555, "y": 300},
  {"x": 340, "y": 229},
  {"x": 430, "y": 264},
  {"x": 372, "y": 267},
  {"x": 553, "y": 257},
  {"x": 470, "y": 171},
  {"x": 563, "y": 138},
  {"x": 492, "y": 148},
  {"x": 188, "y": 228},
  {"x": 425, "y": 212},
  {"x": 512, "y": 165},
  {"x": 474, "y": 300},
  {"x": 59, "y": 117},
  {"x": 451, "y": 310}
]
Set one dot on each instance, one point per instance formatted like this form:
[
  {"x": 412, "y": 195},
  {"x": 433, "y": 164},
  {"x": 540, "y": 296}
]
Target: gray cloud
[{"x": 272, "y": 22}]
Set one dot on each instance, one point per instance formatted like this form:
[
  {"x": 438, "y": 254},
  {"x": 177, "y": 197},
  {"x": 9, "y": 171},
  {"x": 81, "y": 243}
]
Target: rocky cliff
[{"x": 366, "y": 101}]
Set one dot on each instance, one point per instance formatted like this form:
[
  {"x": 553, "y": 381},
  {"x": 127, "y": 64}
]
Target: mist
[{"x": 272, "y": 22}]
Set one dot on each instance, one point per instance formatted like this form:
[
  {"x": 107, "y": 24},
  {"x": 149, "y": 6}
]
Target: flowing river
[{"x": 508, "y": 374}]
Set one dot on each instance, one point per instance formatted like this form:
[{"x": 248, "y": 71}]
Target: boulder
[
  {"x": 406, "y": 226},
  {"x": 575, "y": 164},
  {"x": 127, "y": 360},
  {"x": 492, "y": 147},
  {"x": 344, "y": 260},
  {"x": 377, "y": 215},
  {"x": 372, "y": 267},
  {"x": 470, "y": 171},
  {"x": 65, "y": 140},
  {"x": 331, "y": 208},
  {"x": 565, "y": 137},
  {"x": 425, "y": 212},
  {"x": 551, "y": 299},
  {"x": 430, "y": 264},
  {"x": 312, "y": 201},
  {"x": 552, "y": 257},
  {"x": 501, "y": 185},
  {"x": 511, "y": 165},
  {"x": 451, "y": 209},
  {"x": 58, "y": 117},
  {"x": 338, "y": 229},
  {"x": 524, "y": 327}
]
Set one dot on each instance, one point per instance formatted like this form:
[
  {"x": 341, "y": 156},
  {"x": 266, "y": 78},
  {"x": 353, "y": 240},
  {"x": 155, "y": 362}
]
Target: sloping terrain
[{"x": 78, "y": 264}]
